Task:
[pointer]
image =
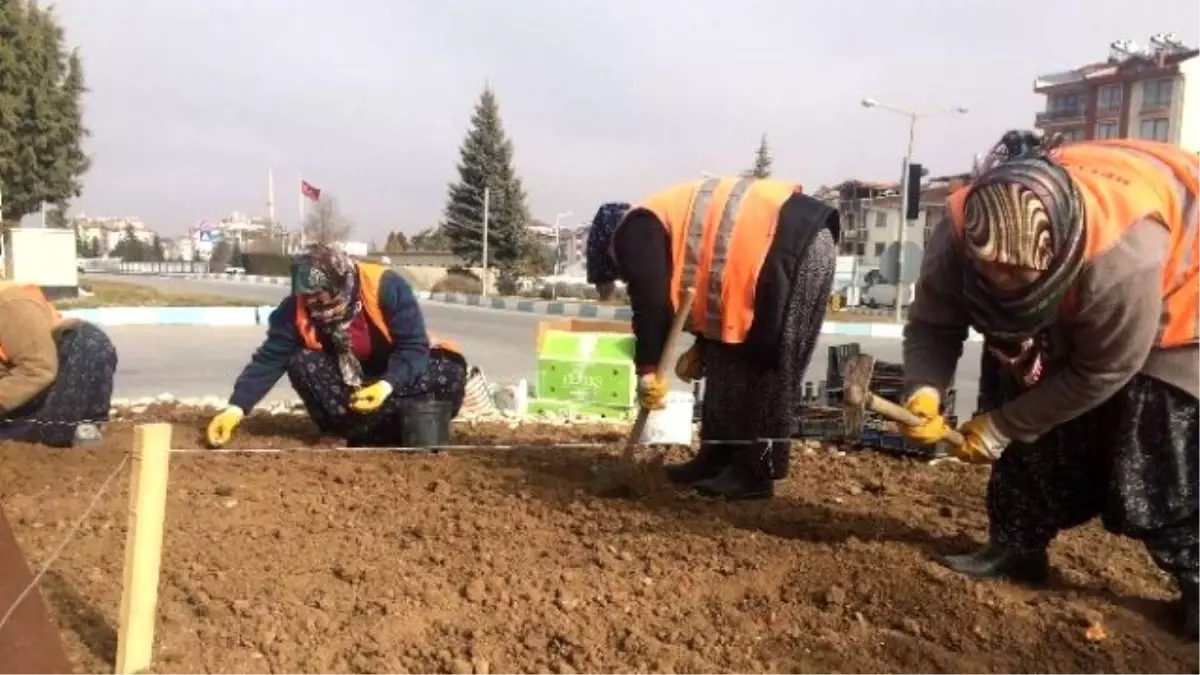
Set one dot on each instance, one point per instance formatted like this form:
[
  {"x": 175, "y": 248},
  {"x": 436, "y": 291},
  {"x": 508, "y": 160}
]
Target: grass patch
[{"x": 117, "y": 294}]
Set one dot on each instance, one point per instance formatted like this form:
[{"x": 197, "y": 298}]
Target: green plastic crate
[
  {"x": 607, "y": 412},
  {"x": 587, "y": 369}
]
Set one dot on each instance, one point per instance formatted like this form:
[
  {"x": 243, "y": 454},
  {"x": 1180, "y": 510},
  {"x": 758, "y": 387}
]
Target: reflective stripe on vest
[
  {"x": 1122, "y": 182},
  {"x": 35, "y": 293},
  {"x": 720, "y": 231},
  {"x": 369, "y": 276}
]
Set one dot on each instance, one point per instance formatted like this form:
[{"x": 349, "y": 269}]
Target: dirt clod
[{"x": 506, "y": 561}]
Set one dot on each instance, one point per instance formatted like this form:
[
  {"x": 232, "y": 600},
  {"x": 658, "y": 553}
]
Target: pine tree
[
  {"x": 485, "y": 161},
  {"x": 157, "y": 252},
  {"x": 41, "y": 126},
  {"x": 130, "y": 248},
  {"x": 762, "y": 161},
  {"x": 94, "y": 248}
]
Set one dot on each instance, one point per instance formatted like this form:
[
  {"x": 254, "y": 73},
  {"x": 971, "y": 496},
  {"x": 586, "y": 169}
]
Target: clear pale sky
[{"x": 193, "y": 100}]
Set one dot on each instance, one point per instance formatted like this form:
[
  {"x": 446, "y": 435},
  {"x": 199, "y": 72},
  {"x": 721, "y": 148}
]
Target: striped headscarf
[{"x": 1023, "y": 211}]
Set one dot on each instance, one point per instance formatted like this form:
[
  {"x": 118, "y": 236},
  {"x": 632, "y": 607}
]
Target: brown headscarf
[{"x": 1025, "y": 211}]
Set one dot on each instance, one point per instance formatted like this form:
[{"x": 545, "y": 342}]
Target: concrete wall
[{"x": 1188, "y": 104}]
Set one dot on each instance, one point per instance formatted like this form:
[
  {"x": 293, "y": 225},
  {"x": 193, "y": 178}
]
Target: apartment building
[
  {"x": 1138, "y": 92},
  {"x": 105, "y": 232},
  {"x": 870, "y": 212}
]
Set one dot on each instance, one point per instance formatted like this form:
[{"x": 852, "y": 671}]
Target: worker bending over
[
  {"x": 1079, "y": 266},
  {"x": 56, "y": 374},
  {"x": 760, "y": 256},
  {"x": 352, "y": 340}
]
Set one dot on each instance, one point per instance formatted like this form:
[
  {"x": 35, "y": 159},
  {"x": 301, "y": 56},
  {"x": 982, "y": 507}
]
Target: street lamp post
[
  {"x": 913, "y": 116},
  {"x": 557, "y": 244},
  {"x": 557, "y": 251}
]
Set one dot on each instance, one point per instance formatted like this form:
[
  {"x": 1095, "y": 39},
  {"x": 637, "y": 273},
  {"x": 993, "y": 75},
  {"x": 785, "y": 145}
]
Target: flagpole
[
  {"x": 271, "y": 197},
  {"x": 300, "y": 205}
]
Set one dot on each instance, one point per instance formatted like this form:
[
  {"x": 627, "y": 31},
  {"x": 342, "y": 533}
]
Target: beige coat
[{"x": 27, "y": 337}]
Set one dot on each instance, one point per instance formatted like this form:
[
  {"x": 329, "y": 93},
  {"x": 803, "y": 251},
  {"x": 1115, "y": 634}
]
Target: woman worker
[
  {"x": 56, "y": 374},
  {"x": 352, "y": 340},
  {"x": 601, "y": 271},
  {"x": 760, "y": 256},
  {"x": 1079, "y": 266}
]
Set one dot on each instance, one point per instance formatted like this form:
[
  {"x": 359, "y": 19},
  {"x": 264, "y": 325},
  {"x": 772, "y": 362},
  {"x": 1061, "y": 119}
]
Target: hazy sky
[{"x": 192, "y": 101}]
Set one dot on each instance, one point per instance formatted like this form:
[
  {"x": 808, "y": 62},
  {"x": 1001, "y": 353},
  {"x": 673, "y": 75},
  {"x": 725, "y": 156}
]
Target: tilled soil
[{"x": 509, "y": 561}]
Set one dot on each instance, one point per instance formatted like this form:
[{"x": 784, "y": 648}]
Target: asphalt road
[{"x": 191, "y": 361}]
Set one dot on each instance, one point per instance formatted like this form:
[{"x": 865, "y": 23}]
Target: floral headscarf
[
  {"x": 600, "y": 266},
  {"x": 324, "y": 269}
]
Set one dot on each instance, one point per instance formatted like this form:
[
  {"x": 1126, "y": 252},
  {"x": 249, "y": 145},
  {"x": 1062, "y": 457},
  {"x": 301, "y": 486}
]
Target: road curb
[
  {"x": 561, "y": 308},
  {"x": 172, "y": 316}
]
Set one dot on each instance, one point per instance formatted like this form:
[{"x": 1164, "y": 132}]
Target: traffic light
[{"x": 912, "y": 200}]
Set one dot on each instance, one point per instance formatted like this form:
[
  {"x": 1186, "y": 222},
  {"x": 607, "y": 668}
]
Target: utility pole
[{"x": 487, "y": 198}]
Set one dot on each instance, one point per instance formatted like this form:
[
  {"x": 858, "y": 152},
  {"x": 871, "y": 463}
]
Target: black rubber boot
[
  {"x": 708, "y": 463},
  {"x": 748, "y": 477},
  {"x": 780, "y": 458},
  {"x": 1189, "y": 604},
  {"x": 994, "y": 561}
]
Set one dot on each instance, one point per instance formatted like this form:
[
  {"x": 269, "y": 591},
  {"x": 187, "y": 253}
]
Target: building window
[
  {"x": 1073, "y": 134},
  {"x": 861, "y": 249},
  {"x": 1157, "y": 93},
  {"x": 880, "y": 219},
  {"x": 1107, "y": 130},
  {"x": 1065, "y": 103},
  {"x": 1109, "y": 98},
  {"x": 880, "y": 247},
  {"x": 1154, "y": 129}
]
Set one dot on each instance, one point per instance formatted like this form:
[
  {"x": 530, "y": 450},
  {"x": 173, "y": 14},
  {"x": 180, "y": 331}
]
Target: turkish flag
[{"x": 309, "y": 191}]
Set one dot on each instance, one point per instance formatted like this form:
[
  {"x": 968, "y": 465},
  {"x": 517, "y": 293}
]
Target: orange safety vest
[
  {"x": 721, "y": 230},
  {"x": 1122, "y": 182},
  {"x": 35, "y": 293},
  {"x": 369, "y": 276}
]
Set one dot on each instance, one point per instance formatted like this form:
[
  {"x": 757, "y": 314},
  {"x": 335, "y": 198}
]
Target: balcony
[
  {"x": 1151, "y": 108},
  {"x": 1061, "y": 116}
]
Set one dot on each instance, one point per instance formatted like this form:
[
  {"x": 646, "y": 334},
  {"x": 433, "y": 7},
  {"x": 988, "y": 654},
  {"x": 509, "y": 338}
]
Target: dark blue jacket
[{"x": 399, "y": 362}]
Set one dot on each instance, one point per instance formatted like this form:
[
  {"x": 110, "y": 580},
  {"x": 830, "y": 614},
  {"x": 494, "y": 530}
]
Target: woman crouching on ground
[
  {"x": 352, "y": 339},
  {"x": 56, "y": 374},
  {"x": 760, "y": 256}
]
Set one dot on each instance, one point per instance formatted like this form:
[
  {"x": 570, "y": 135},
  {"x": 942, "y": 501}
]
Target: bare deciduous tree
[{"x": 325, "y": 222}]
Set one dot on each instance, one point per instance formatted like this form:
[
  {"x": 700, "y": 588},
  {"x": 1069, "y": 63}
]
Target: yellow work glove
[
  {"x": 690, "y": 366},
  {"x": 369, "y": 398},
  {"x": 924, "y": 403},
  {"x": 220, "y": 429},
  {"x": 983, "y": 443},
  {"x": 652, "y": 391}
]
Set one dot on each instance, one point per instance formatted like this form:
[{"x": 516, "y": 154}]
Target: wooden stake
[{"x": 143, "y": 547}]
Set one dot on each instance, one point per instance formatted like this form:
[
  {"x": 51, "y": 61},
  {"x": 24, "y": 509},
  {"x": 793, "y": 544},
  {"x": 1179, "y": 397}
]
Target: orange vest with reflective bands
[
  {"x": 369, "y": 276},
  {"x": 720, "y": 231},
  {"x": 39, "y": 297},
  {"x": 1121, "y": 182}
]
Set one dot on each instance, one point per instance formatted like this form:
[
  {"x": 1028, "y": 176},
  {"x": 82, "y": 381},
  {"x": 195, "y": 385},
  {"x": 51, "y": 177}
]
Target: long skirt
[
  {"x": 80, "y": 394},
  {"x": 744, "y": 398},
  {"x": 317, "y": 380},
  {"x": 1132, "y": 461}
]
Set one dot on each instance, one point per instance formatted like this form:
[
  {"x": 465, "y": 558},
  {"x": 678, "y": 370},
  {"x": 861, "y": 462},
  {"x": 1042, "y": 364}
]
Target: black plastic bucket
[{"x": 425, "y": 423}]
